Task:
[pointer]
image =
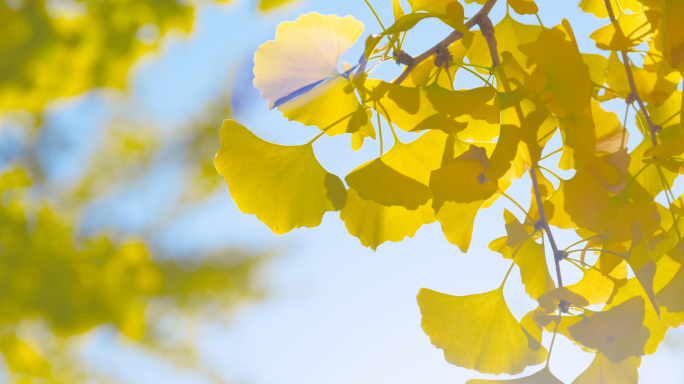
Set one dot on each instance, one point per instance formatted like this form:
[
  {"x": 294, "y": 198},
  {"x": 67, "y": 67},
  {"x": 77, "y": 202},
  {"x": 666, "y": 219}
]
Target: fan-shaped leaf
[{"x": 284, "y": 186}]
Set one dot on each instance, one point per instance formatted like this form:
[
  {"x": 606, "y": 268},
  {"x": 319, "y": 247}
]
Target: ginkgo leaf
[
  {"x": 533, "y": 269},
  {"x": 524, "y": 7},
  {"x": 604, "y": 371},
  {"x": 401, "y": 176},
  {"x": 598, "y": 7},
  {"x": 577, "y": 202},
  {"x": 478, "y": 332},
  {"x": 592, "y": 289},
  {"x": 450, "y": 8},
  {"x": 526, "y": 125},
  {"x": 598, "y": 65},
  {"x": 567, "y": 77},
  {"x": 398, "y": 11},
  {"x": 540, "y": 377},
  {"x": 633, "y": 30},
  {"x": 510, "y": 34},
  {"x": 516, "y": 232},
  {"x": 666, "y": 115},
  {"x": 431, "y": 107},
  {"x": 652, "y": 87},
  {"x": 614, "y": 332},
  {"x": 646, "y": 181},
  {"x": 375, "y": 224},
  {"x": 643, "y": 266},
  {"x": 298, "y": 73},
  {"x": 284, "y": 186},
  {"x": 460, "y": 190},
  {"x": 672, "y": 32},
  {"x": 304, "y": 53}
]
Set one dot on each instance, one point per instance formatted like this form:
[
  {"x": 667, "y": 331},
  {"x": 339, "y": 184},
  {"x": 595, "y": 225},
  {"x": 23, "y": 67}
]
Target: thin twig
[
  {"x": 455, "y": 35},
  {"x": 630, "y": 77},
  {"x": 545, "y": 223}
]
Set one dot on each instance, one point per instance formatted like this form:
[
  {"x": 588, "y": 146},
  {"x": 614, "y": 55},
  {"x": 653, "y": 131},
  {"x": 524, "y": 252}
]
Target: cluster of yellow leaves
[{"x": 473, "y": 143}]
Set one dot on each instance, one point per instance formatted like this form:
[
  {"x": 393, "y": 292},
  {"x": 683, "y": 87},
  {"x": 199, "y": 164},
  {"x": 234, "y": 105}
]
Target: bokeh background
[{"x": 123, "y": 258}]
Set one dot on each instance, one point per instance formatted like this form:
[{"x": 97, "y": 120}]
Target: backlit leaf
[
  {"x": 375, "y": 224},
  {"x": 401, "y": 176},
  {"x": 604, "y": 371},
  {"x": 284, "y": 186},
  {"x": 540, "y": 377},
  {"x": 460, "y": 190},
  {"x": 478, "y": 332},
  {"x": 634, "y": 29}
]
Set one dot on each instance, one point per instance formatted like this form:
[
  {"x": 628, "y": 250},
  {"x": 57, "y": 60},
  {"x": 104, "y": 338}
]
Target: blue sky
[{"x": 336, "y": 312}]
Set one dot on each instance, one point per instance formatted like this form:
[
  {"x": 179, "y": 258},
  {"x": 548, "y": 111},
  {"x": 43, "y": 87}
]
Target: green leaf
[{"x": 284, "y": 186}]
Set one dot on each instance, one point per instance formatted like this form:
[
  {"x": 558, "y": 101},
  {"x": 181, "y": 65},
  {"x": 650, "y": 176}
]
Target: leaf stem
[
  {"x": 580, "y": 241},
  {"x": 507, "y": 273},
  {"x": 380, "y": 132},
  {"x": 547, "y": 228},
  {"x": 630, "y": 76},
  {"x": 671, "y": 117},
  {"x": 551, "y": 154},
  {"x": 376, "y": 15},
  {"x": 549, "y": 171},
  {"x": 478, "y": 75},
  {"x": 316, "y": 138},
  {"x": 539, "y": 19},
  {"x": 553, "y": 340},
  {"x": 455, "y": 35},
  {"x": 502, "y": 193},
  {"x": 596, "y": 250}
]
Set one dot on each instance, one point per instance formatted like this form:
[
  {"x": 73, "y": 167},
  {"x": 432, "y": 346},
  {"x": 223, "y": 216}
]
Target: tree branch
[
  {"x": 488, "y": 33},
  {"x": 455, "y": 35},
  {"x": 542, "y": 217},
  {"x": 635, "y": 94}
]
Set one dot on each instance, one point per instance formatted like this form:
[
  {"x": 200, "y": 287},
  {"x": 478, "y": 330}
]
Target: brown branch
[
  {"x": 488, "y": 33},
  {"x": 653, "y": 129},
  {"x": 487, "y": 29},
  {"x": 455, "y": 35},
  {"x": 557, "y": 255}
]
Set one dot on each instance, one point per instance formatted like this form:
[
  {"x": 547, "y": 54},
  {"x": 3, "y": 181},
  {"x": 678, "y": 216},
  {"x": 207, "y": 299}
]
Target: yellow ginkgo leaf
[
  {"x": 653, "y": 88},
  {"x": 451, "y": 8},
  {"x": 460, "y": 189},
  {"x": 431, "y": 107},
  {"x": 665, "y": 114},
  {"x": 672, "y": 32},
  {"x": 398, "y": 11},
  {"x": 516, "y": 232},
  {"x": 614, "y": 332},
  {"x": 647, "y": 182},
  {"x": 540, "y": 377},
  {"x": 375, "y": 224},
  {"x": 426, "y": 72},
  {"x": 284, "y": 186},
  {"x": 668, "y": 283},
  {"x": 598, "y": 7},
  {"x": 533, "y": 269},
  {"x": 633, "y": 30},
  {"x": 604, "y": 371},
  {"x": 594, "y": 288},
  {"x": 401, "y": 176},
  {"x": 567, "y": 77},
  {"x": 577, "y": 202},
  {"x": 510, "y": 34},
  {"x": 598, "y": 65},
  {"x": 526, "y": 124},
  {"x": 478, "y": 332},
  {"x": 524, "y": 7},
  {"x": 298, "y": 73}
]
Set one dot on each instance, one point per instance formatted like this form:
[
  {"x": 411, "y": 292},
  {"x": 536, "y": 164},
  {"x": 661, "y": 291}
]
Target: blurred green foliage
[{"x": 58, "y": 282}]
